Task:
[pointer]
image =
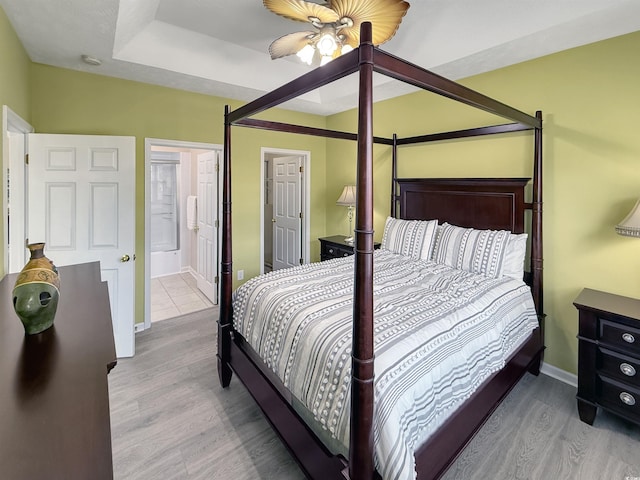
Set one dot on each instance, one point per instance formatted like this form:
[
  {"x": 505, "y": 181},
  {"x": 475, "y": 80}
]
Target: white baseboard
[{"x": 558, "y": 374}]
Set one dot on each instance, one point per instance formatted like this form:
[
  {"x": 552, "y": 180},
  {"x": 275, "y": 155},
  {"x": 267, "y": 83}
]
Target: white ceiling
[{"x": 220, "y": 47}]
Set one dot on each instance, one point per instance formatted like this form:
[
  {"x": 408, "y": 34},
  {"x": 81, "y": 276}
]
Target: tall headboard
[{"x": 483, "y": 203}]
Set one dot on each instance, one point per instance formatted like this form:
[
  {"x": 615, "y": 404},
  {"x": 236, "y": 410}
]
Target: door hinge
[
  {"x": 26, "y": 158},
  {"x": 300, "y": 214},
  {"x": 217, "y": 223},
  {"x": 301, "y": 261},
  {"x": 216, "y": 280},
  {"x": 217, "y": 166},
  {"x": 301, "y": 169}
]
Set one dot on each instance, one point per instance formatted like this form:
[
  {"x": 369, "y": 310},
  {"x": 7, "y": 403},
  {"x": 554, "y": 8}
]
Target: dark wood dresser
[
  {"x": 54, "y": 398},
  {"x": 608, "y": 355},
  {"x": 336, "y": 247}
]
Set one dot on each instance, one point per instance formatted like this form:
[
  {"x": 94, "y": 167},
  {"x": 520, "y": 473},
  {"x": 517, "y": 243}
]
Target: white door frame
[
  {"x": 12, "y": 122},
  {"x": 305, "y": 198},
  {"x": 148, "y": 144}
]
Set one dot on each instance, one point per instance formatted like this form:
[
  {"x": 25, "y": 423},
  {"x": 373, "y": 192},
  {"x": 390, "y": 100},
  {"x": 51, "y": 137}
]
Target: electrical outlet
[{"x": 240, "y": 274}]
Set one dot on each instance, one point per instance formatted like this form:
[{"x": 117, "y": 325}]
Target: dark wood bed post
[
  {"x": 394, "y": 176},
  {"x": 536, "y": 249},
  {"x": 225, "y": 318},
  {"x": 362, "y": 372}
]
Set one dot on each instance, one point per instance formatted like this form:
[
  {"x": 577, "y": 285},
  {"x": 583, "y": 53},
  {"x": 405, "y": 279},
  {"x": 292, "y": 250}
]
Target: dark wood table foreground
[{"x": 54, "y": 399}]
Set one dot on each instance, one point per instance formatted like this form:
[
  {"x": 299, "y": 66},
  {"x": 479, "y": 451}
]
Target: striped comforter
[{"x": 439, "y": 333}]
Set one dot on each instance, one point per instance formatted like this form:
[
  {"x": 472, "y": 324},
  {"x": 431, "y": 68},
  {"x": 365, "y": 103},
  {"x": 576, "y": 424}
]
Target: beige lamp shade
[
  {"x": 348, "y": 199},
  {"x": 348, "y": 196},
  {"x": 630, "y": 226}
]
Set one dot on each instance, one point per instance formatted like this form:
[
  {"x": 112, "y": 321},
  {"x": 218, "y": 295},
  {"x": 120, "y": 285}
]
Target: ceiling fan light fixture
[
  {"x": 327, "y": 44},
  {"x": 337, "y": 26},
  {"x": 306, "y": 54}
]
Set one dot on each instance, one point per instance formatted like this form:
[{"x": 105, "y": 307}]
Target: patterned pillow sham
[
  {"x": 477, "y": 251},
  {"x": 514, "y": 256},
  {"x": 412, "y": 238}
]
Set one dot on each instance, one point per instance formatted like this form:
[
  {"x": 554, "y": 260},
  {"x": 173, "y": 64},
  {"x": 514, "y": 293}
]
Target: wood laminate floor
[{"x": 170, "y": 419}]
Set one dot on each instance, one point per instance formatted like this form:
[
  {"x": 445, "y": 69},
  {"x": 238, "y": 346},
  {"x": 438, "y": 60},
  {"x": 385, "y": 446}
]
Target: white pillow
[
  {"x": 412, "y": 238},
  {"x": 514, "y": 257},
  {"x": 477, "y": 251}
]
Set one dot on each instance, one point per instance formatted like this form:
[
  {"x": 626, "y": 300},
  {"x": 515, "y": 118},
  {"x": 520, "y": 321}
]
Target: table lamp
[
  {"x": 348, "y": 199},
  {"x": 630, "y": 226}
]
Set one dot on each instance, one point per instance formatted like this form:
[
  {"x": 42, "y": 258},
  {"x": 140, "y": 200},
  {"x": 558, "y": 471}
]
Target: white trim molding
[
  {"x": 558, "y": 374},
  {"x": 12, "y": 122}
]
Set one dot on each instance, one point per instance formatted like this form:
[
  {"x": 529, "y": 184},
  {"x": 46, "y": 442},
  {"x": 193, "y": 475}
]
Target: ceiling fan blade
[
  {"x": 385, "y": 17},
  {"x": 301, "y": 10},
  {"x": 289, "y": 44}
]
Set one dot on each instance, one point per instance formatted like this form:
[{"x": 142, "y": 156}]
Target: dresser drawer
[
  {"x": 620, "y": 336},
  {"x": 334, "y": 251},
  {"x": 620, "y": 398},
  {"x": 618, "y": 366},
  {"x": 337, "y": 247}
]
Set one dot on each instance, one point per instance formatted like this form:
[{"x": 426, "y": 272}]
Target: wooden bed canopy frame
[{"x": 413, "y": 196}]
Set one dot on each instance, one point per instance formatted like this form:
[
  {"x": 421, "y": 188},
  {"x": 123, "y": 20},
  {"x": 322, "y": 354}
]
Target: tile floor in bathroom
[{"x": 174, "y": 295}]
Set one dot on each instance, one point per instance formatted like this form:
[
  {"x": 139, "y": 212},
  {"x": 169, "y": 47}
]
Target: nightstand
[
  {"x": 608, "y": 355},
  {"x": 336, "y": 247}
]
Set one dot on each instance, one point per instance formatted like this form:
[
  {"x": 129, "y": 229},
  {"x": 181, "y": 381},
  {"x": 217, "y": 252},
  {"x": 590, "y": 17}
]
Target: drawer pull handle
[
  {"x": 331, "y": 250},
  {"x": 345, "y": 254},
  {"x": 627, "y": 369},
  {"x": 627, "y": 398},
  {"x": 627, "y": 337}
]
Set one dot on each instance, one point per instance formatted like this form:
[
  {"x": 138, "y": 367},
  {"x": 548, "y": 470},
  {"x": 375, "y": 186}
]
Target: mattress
[{"x": 439, "y": 334}]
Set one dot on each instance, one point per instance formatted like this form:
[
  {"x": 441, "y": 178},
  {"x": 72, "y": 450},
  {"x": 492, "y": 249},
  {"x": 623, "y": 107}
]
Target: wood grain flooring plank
[
  {"x": 171, "y": 420},
  {"x": 170, "y": 415}
]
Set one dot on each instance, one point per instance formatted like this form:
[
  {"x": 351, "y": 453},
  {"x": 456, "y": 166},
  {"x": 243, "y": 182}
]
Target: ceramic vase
[{"x": 37, "y": 291}]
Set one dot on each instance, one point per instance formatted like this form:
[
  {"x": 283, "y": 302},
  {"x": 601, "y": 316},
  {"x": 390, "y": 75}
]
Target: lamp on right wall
[{"x": 630, "y": 226}]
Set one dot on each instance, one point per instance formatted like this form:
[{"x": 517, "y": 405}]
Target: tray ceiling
[{"x": 221, "y": 47}]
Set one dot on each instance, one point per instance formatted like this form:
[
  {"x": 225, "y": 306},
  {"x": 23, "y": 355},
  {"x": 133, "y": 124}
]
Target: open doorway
[
  {"x": 284, "y": 208},
  {"x": 14, "y": 132},
  {"x": 181, "y": 227}
]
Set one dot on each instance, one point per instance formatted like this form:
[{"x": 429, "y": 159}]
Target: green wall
[
  {"x": 14, "y": 87},
  {"x": 66, "y": 101},
  {"x": 589, "y": 97}
]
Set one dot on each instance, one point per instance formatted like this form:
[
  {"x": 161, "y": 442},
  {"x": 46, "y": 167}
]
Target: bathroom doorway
[{"x": 182, "y": 208}]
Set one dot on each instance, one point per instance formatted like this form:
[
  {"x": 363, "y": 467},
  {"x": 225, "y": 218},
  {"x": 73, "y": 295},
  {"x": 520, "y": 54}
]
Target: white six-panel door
[
  {"x": 207, "y": 207},
  {"x": 81, "y": 203},
  {"x": 286, "y": 211}
]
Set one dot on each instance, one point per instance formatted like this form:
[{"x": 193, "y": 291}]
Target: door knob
[
  {"x": 125, "y": 258},
  {"x": 273, "y": 220}
]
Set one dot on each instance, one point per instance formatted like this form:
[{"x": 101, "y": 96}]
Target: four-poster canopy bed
[{"x": 496, "y": 204}]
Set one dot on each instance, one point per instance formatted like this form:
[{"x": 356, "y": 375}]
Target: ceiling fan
[{"x": 336, "y": 24}]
